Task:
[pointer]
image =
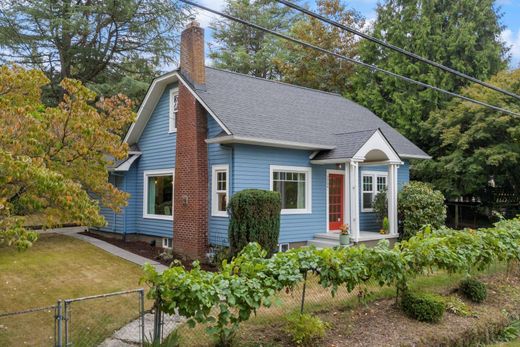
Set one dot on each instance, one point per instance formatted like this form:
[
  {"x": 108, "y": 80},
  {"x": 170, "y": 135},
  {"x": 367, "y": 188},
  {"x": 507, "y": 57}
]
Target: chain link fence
[
  {"x": 32, "y": 327},
  {"x": 127, "y": 319}
]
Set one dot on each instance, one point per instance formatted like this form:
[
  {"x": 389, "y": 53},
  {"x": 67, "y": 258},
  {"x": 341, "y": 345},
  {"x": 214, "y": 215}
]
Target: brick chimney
[{"x": 190, "y": 226}]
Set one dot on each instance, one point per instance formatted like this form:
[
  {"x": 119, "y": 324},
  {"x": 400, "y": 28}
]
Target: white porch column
[
  {"x": 354, "y": 200},
  {"x": 392, "y": 198},
  {"x": 346, "y": 195}
]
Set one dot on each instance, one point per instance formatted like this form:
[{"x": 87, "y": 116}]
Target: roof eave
[{"x": 268, "y": 142}]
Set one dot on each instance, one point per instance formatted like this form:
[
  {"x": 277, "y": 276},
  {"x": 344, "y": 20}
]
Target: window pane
[
  {"x": 291, "y": 186},
  {"x": 160, "y": 194},
  {"x": 381, "y": 183},
  {"x": 367, "y": 200},
  {"x": 222, "y": 202},
  {"x": 367, "y": 183}
]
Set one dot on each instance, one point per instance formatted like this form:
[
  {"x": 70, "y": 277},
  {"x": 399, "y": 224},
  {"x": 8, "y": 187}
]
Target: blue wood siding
[
  {"x": 251, "y": 169},
  {"x": 158, "y": 152},
  {"x": 368, "y": 220},
  {"x": 218, "y": 155},
  {"x": 158, "y": 148}
]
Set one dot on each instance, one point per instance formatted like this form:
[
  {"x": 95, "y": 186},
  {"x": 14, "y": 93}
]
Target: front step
[{"x": 329, "y": 240}]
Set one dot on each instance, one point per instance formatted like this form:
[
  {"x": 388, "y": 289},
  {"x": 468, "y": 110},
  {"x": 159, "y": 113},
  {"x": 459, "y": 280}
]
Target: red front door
[{"x": 335, "y": 201}]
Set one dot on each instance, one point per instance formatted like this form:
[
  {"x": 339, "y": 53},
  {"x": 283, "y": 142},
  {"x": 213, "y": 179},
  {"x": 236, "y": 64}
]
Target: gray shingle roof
[
  {"x": 259, "y": 108},
  {"x": 347, "y": 145}
]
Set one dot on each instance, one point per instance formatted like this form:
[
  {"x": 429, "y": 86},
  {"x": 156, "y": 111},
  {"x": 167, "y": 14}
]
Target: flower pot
[{"x": 344, "y": 239}]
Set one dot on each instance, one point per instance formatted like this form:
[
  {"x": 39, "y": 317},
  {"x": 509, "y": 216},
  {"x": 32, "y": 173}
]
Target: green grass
[{"x": 61, "y": 267}]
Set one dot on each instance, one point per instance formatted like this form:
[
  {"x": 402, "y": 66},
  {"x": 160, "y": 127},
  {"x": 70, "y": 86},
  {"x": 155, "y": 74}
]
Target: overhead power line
[
  {"x": 355, "y": 61},
  {"x": 396, "y": 48}
]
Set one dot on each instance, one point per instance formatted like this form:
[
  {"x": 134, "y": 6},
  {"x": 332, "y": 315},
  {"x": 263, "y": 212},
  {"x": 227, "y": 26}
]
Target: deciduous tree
[
  {"x": 477, "y": 144},
  {"x": 310, "y": 68},
  {"x": 53, "y": 160}
]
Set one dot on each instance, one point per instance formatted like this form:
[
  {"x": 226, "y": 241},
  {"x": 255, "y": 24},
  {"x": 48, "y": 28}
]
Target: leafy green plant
[
  {"x": 473, "y": 289},
  {"x": 456, "y": 306},
  {"x": 423, "y": 307},
  {"x": 255, "y": 217},
  {"x": 510, "y": 333},
  {"x": 420, "y": 205},
  {"x": 305, "y": 329},
  {"x": 381, "y": 205},
  {"x": 222, "y": 300}
]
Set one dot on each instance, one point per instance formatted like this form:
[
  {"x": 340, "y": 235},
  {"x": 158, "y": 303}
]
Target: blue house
[{"x": 203, "y": 134}]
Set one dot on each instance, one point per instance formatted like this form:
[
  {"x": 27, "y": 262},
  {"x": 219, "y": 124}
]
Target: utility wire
[
  {"x": 396, "y": 48},
  {"x": 355, "y": 61}
]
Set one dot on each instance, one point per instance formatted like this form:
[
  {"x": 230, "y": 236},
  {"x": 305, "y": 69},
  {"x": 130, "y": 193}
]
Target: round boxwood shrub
[
  {"x": 255, "y": 217},
  {"x": 473, "y": 289},
  {"x": 419, "y": 205},
  {"x": 423, "y": 307}
]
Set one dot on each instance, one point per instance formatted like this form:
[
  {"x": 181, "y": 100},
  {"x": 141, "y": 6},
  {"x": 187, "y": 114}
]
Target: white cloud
[{"x": 512, "y": 40}]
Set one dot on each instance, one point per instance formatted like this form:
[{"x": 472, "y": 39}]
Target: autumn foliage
[{"x": 53, "y": 160}]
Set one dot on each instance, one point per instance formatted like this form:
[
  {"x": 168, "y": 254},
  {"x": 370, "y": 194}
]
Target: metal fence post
[
  {"x": 66, "y": 314},
  {"x": 141, "y": 309},
  {"x": 57, "y": 325},
  {"x": 157, "y": 324}
]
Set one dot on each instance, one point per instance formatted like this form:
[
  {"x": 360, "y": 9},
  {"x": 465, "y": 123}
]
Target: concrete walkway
[{"x": 107, "y": 247}]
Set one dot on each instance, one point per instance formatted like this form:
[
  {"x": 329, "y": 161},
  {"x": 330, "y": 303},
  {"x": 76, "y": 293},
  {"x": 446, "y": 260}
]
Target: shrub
[
  {"x": 305, "y": 329},
  {"x": 381, "y": 206},
  {"x": 420, "y": 205},
  {"x": 473, "y": 289},
  {"x": 255, "y": 217},
  {"x": 423, "y": 307}
]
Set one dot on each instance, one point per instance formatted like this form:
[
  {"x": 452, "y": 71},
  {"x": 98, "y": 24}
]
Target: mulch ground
[
  {"x": 146, "y": 250},
  {"x": 381, "y": 323}
]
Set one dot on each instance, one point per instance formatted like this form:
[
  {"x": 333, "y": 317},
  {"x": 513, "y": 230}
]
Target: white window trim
[
  {"x": 171, "y": 127},
  {"x": 146, "y": 174},
  {"x": 214, "y": 203},
  {"x": 308, "y": 186},
  {"x": 165, "y": 243},
  {"x": 374, "y": 175}
]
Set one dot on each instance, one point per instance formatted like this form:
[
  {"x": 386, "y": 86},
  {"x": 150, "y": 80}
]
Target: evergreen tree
[
  {"x": 477, "y": 145},
  {"x": 246, "y": 50},
  {"x": 463, "y": 35},
  {"x": 310, "y": 68},
  {"x": 92, "y": 41}
]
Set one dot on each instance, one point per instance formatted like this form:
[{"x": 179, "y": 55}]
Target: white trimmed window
[
  {"x": 294, "y": 185},
  {"x": 167, "y": 243},
  {"x": 220, "y": 190},
  {"x": 174, "y": 109},
  {"x": 158, "y": 194},
  {"x": 372, "y": 183}
]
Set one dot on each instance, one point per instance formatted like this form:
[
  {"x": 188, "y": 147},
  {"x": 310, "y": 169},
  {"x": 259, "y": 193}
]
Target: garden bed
[
  {"x": 381, "y": 323},
  {"x": 144, "y": 249}
]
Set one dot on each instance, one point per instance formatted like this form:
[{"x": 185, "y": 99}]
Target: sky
[{"x": 509, "y": 8}]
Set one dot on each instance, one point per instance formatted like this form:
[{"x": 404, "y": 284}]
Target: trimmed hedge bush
[
  {"x": 423, "y": 307},
  {"x": 473, "y": 289},
  {"x": 255, "y": 217},
  {"x": 420, "y": 205}
]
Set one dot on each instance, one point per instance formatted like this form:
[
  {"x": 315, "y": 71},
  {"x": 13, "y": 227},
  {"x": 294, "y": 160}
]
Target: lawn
[{"x": 61, "y": 267}]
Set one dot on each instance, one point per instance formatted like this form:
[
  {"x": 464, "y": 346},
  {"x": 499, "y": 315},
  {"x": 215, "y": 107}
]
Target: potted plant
[
  {"x": 344, "y": 237},
  {"x": 386, "y": 226}
]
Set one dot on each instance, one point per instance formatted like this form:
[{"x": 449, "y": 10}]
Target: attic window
[{"x": 174, "y": 109}]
